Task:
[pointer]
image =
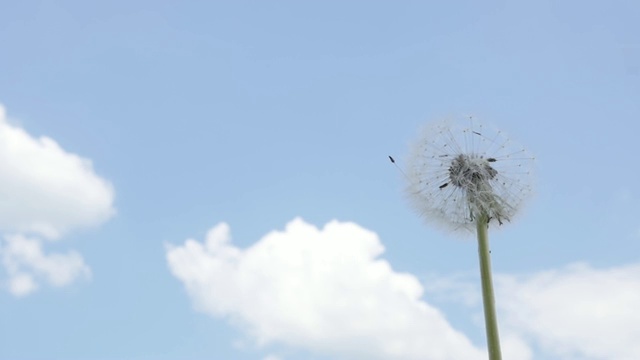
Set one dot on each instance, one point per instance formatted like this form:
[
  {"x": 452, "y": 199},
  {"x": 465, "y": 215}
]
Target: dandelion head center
[{"x": 469, "y": 171}]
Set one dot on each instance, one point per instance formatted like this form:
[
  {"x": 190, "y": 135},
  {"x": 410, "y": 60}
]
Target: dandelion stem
[{"x": 491, "y": 323}]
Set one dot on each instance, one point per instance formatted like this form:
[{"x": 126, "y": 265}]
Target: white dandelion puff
[
  {"x": 464, "y": 175},
  {"x": 461, "y": 169}
]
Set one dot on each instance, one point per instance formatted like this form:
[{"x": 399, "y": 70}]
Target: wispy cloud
[
  {"x": 577, "y": 310},
  {"x": 572, "y": 312}
]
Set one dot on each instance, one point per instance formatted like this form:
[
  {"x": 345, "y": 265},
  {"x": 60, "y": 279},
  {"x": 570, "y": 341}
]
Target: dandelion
[
  {"x": 459, "y": 170},
  {"x": 465, "y": 176}
]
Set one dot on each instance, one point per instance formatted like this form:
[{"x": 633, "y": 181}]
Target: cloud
[
  {"x": 272, "y": 357},
  {"x": 457, "y": 288},
  {"x": 328, "y": 290},
  {"x": 576, "y": 311},
  {"x": 324, "y": 290},
  {"x": 573, "y": 312},
  {"x": 25, "y": 262},
  {"x": 46, "y": 190}
]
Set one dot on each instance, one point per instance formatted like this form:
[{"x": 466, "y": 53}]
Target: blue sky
[{"x": 133, "y": 126}]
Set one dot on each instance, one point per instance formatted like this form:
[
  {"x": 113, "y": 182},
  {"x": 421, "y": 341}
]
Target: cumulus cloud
[
  {"x": 25, "y": 263},
  {"x": 325, "y": 290},
  {"x": 576, "y": 311},
  {"x": 329, "y": 290},
  {"x": 46, "y": 190}
]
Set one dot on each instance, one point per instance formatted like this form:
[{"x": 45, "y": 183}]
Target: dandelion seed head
[{"x": 461, "y": 169}]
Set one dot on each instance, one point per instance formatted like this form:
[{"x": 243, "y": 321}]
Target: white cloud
[
  {"x": 25, "y": 261},
  {"x": 458, "y": 288},
  {"x": 328, "y": 290},
  {"x": 577, "y": 310},
  {"x": 323, "y": 290},
  {"x": 46, "y": 190},
  {"x": 272, "y": 357},
  {"x": 21, "y": 284},
  {"x": 574, "y": 312}
]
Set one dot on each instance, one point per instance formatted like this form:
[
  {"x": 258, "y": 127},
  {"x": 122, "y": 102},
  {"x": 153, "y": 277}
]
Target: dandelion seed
[{"x": 460, "y": 169}]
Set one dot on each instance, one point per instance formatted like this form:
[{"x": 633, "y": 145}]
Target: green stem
[{"x": 491, "y": 323}]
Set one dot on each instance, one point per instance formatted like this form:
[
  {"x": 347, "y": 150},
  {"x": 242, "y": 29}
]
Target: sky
[{"x": 210, "y": 180}]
